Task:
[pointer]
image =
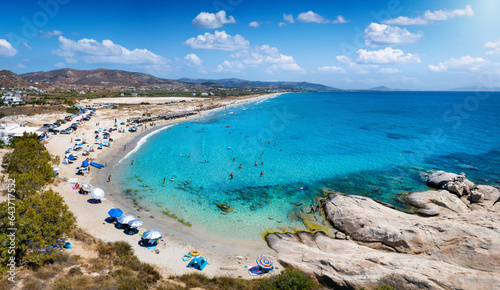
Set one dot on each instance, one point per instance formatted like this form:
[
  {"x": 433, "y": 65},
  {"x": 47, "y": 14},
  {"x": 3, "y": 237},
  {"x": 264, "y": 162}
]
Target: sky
[{"x": 356, "y": 44}]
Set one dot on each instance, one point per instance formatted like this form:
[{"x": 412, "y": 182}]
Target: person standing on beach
[
  {"x": 109, "y": 178},
  {"x": 124, "y": 147},
  {"x": 312, "y": 208}
]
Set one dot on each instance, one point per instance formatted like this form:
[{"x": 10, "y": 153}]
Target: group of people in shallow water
[{"x": 241, "y": 165}]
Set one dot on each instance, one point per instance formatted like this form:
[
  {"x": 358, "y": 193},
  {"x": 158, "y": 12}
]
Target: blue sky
[{"x": 420, "y": 45}]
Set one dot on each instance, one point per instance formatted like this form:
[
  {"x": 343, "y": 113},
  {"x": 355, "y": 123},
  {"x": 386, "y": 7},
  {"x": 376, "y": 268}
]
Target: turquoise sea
[{"x": 376, "y": 144}]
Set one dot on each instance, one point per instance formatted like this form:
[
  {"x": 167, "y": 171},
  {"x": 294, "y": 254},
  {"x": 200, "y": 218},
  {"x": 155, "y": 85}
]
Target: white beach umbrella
[
  {"x": 152, "y": 235},
  {"x": 79, "y": 136},
  {"x": 125, "y": 218},
  {"x": 86, "y": 186},
  {"x": 56, "y": 168},
  {"x": 135, "y": 223},
  {"x": 97, "y": 193}
]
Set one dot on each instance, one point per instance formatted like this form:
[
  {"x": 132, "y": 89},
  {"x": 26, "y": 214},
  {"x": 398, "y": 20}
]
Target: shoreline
[{"x": 176, "y": 243}]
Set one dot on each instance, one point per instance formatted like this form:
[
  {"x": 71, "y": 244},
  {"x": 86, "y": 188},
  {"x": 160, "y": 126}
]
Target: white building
[{"x": 9, "y": 131}]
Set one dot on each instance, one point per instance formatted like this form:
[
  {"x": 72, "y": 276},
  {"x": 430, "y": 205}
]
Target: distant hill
[
  {"x": 96, "y": 77},
  {"x": 383, "y": 88},
  {"x": 11, "y": 80},
  {"x": 245, "y": 84},
  {"x": 106, "y": 77}
]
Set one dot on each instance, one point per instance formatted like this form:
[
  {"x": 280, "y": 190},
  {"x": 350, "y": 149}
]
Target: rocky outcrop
[
  {"x": 454, "y": 242},
  {"x": 343, "y": 264},
  {"x": 452, "y": 182}
]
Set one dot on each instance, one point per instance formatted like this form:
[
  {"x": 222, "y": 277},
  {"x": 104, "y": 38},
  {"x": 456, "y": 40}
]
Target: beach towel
[
  {"x": 255, "y": 271},
  {"x": 187, "y": 257}
]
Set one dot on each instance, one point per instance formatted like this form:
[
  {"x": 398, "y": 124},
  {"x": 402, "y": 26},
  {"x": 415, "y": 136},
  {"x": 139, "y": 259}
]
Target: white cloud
[
  {"x": 289, "y": 67},
  {"x": 192, "y": 60},
  {"x": 21, "y": 65},
  {"x": 211, "y": 21},
  {"x": 382, "y": 34},
  {"x": 230, "y": 66},
  {"x": 49, "y": 34},
  {"x": 267, "y": 55},
  {"x": 464, "y": 63},
  {"x": 331, "y": 69},
  {"x": 27, "y": 45},
  {"x": 281, "y": 24},
  {"x": 387, "y": 55},
  {"x": 288, "y": 18},
  {"x": 92, "y": 51},
  {"x": 60, "y": 65},
  {"x": 430, "y": 16},
  {"x": 342, "y": 59},
  {"x": 340, "y": 19},
  {"x": 6, "y": 48},
  {"x": 494, "y": 45},
  {"x": 389, "y": 70},
  {"x": 309, "y": 16},
  {"x": 218, "y": 41},
  {"x": 254, "y": 24}
]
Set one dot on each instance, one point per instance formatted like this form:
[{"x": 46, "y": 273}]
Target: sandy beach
[{"x": 224, "y": 259}]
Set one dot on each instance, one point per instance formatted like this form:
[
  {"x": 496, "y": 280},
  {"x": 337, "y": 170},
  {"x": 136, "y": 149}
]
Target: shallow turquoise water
[{"x": 370, "y": 143}]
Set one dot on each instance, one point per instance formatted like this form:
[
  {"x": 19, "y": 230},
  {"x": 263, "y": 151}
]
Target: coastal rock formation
[
  {"x": 343, "y": 264},
  {"x": 453, "y": 244},
  {"x": 455, "y": 183}
]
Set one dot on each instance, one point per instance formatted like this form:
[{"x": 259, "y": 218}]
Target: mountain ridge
[{"x": 103, "y": 77}]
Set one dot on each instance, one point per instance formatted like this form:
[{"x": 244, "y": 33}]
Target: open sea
[{"x": 376, "y": 144}]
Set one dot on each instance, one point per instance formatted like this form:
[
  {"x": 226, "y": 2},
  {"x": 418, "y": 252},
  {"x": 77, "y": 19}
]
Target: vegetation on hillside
[{"x": 40, "y": 216}]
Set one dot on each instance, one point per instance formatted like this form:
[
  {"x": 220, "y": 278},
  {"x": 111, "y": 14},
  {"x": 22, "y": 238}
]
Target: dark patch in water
[{"x": 397, "y": 136}]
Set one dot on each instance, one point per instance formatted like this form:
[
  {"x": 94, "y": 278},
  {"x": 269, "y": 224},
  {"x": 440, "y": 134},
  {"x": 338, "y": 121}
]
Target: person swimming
[
  {"x": 241, "y": 165},
  {"x": 231, "y": 175},
  {"x": 262, "y": 173},
  {"x": 255, "y": 163}
]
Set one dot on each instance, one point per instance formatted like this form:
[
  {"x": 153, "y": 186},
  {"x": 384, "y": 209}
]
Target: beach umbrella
[
  {"x": 105, "y": 141},
  {"x": 78, "y": 136},
  {"x": 152, "y": 235},
  {"x": 55, "y": 168},
  {"x": 97, "y": 193},
  {"x": 115, "y": 212},
  {"x": 85, "y": 163},
  {"x": 125, "y": 218},
  {"x": 135, "y": 223},
  {"x": 86, "y": 186},
  {"x": 264, "y": 264}
]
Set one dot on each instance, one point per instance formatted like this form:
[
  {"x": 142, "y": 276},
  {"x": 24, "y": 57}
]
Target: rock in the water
[{"x": 440, "y": 179}]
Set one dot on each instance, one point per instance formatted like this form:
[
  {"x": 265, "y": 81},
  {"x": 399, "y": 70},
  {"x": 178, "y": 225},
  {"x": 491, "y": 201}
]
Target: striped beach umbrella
[{"x": 264, "y": 264}]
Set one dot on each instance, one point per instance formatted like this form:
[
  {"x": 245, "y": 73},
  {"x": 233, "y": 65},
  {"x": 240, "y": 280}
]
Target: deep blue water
[{"x": 375, "y": 144}]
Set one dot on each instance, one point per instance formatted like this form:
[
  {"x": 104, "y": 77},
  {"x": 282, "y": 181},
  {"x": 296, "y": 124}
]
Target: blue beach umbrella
[
  {"x": 115, "y": 212},
  {"x": 85, "y": 163}
]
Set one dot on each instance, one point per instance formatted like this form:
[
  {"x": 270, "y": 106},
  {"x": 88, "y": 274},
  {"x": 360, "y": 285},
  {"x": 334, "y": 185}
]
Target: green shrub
[
  {"x": 289, "y": 279},
  {"x": 385, "y": 287}
]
